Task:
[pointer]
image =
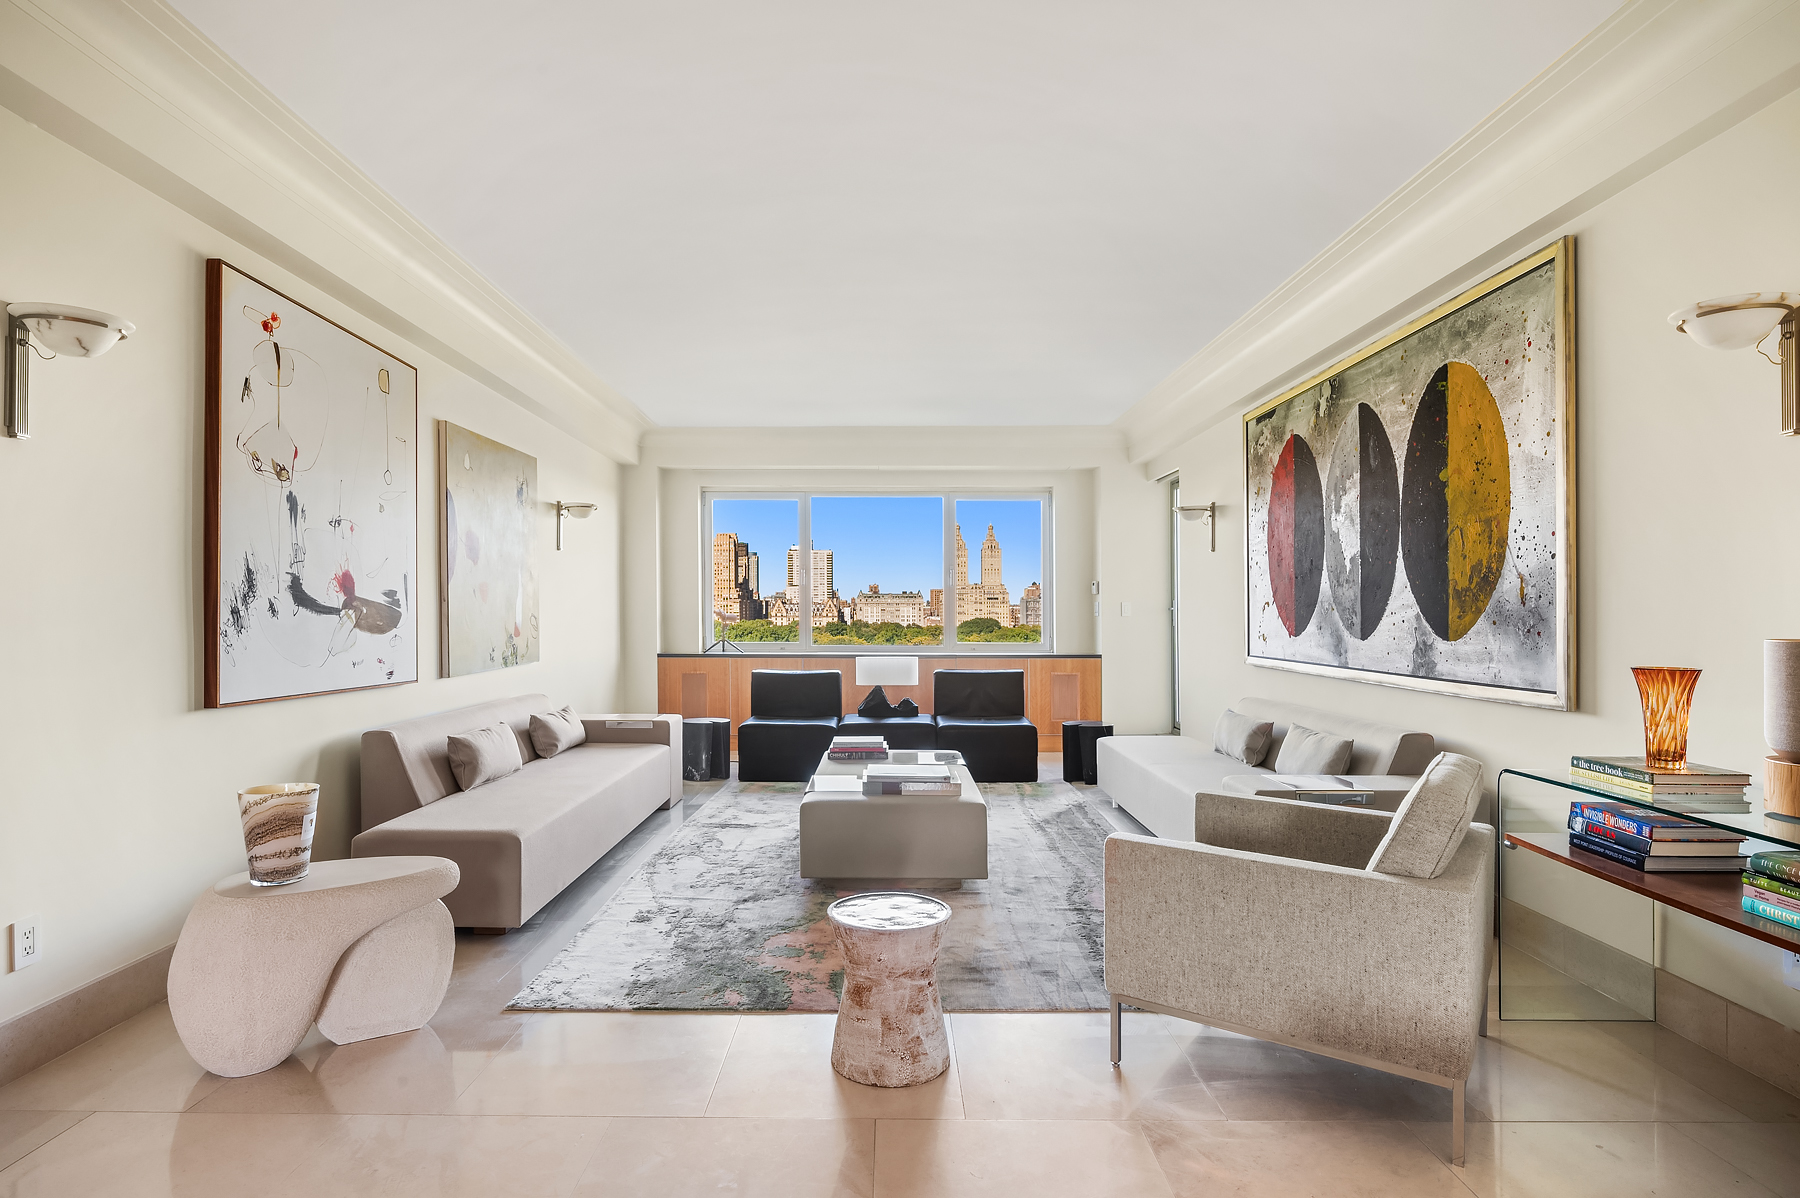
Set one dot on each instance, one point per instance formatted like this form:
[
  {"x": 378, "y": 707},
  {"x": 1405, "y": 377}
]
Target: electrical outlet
[
  {"x": 27, "y": 944},
  {"x": 1125, "y": 609}
]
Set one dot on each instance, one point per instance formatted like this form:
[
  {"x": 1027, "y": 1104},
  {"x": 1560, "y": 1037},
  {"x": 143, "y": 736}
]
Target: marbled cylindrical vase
[
  {"x": 278, "y": 830},
  {"x": 1781, "y": 698}
]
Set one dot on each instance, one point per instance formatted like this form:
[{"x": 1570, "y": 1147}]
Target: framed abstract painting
[
  {"x": 312, "y": 510},
  {"x": 487, "y": 537},
  {"x": 1410, "y": 511}
]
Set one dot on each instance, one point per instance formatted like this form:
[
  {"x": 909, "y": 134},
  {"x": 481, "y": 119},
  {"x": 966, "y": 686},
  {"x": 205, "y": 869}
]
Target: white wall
[
  {"x": 1685, "y": 509},
  {"x": 117, "y": 791},
  {"x": 1110, "y": 527}
]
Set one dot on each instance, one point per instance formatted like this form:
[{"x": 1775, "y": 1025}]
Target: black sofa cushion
[
  {"x": 782, "y": 750},
  {"x": 796, "y": 694},
  {"x": 901, "y": 732},
  {"x": 978, "y": 694},
  {"x": 995, "y": 750}
]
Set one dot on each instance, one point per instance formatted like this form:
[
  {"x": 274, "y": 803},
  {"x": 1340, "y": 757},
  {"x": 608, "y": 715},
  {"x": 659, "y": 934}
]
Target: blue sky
[{"x": 894, "y": 540}]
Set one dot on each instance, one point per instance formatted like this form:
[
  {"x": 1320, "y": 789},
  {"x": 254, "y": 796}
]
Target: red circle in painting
[{"x": 1296, "y": 534}]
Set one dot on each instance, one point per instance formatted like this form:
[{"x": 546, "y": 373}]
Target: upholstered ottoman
[
  {"x": 362, "y": 946},
  {"x": 845, "y": 834}
]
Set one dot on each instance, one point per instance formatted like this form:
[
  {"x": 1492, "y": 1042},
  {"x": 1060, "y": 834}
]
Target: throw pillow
[
  {"x": 1304, "y": 751},
  {"x": 1242, "y": 737},
  {"x": 480, "y": 756},
  {"x": 555, "y": 731},
  {"x": 1431, "y": 821}
]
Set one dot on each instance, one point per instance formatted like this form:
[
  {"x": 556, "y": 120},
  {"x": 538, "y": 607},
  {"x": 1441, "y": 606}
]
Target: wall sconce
[
  {"x": 66, "y": 332},
  {"x": 1208, "y": 512},
  {"x": 1744, "y": 321},
  {"x": 579, "y": 511}
]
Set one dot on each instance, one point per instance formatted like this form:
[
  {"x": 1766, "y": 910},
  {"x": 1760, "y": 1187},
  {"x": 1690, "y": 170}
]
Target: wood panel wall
[{"x": 1056, "y": 688}]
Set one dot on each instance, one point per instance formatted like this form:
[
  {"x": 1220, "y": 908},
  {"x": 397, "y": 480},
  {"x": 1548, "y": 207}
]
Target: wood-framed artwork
[
  {"x": 312, "y": 501},
  {"x": 1411, "y": 510},
  {"x": 487, "y": 541}
]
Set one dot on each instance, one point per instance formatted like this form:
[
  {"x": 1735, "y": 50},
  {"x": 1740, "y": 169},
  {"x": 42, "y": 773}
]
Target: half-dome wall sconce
[
  {"x": 1745, "y": 322},
  {"x": 578, "y": 511},
  {"x": 64, "y": 331}
]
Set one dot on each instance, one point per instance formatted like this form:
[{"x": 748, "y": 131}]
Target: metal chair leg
[
  {"x": 1118, "y": 1037},
  {"x": 1456, "y": 1124}
]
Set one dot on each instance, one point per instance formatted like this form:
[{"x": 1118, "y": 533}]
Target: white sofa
[
  {"x": 521, "y": 839},
  {"x": 1158, "y": 779}
]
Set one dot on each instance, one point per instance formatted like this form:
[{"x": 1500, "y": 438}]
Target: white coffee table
[{"x": 922, "y": 840}]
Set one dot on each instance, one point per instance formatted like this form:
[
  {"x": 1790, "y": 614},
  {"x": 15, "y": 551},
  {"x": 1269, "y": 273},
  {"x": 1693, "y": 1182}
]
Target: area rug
[{"x": 720, "y": 919}]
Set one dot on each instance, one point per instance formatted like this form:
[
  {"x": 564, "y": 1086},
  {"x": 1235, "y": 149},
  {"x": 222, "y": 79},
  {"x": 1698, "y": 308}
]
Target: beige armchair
[{"x": 1358, "y": 935}]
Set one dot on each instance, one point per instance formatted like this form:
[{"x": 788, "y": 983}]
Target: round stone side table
[{"x": 890, "y": 1024}]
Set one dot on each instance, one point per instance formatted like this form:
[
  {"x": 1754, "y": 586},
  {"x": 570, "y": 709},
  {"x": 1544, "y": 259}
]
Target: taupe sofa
[
  {"x": 1158, "y": 779},
  {"x": 518, "y": 840}
]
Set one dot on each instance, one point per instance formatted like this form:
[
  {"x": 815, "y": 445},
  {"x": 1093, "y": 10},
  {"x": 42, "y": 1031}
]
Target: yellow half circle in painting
[{"x": 1478, "y": 495}]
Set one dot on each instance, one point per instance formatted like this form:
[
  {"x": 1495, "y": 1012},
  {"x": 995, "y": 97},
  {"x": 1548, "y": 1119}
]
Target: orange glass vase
[{"x": 1667, "y": 693}]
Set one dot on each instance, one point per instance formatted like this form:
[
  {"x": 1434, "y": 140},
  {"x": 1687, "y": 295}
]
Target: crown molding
[
  {"x": 1657, "y": 79},
  {"x": 134, "y": 85}
]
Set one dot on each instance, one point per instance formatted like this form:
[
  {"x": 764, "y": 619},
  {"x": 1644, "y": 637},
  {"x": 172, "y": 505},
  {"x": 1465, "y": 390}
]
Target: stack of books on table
[
  {"x": 1652, "y": 841},
  {"x": 1772, "y": 887},
  {"x": 857, "y": 748},
  {"x": 1703, "y": 789},
  {"x": 918, "y": 781}
]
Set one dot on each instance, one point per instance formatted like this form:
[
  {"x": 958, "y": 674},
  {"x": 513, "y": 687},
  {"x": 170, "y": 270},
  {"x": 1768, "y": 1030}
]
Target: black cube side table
[
  {"x": 696, "y": 750},
  {"x": 1072, "y": 749},
  {"x": 1090, "y": 760},
  {"x": 721, "y": 746}
]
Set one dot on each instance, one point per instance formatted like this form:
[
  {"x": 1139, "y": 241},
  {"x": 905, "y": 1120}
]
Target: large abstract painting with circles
[
  {"x": 1409, "y": 510},
  {"x": 312, "y": 505}
]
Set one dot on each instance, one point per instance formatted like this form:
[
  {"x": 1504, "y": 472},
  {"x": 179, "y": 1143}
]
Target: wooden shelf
[{"x": 1716, "y": 898}]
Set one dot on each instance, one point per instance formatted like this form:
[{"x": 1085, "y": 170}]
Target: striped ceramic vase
[{"x": 278, "y": 830}]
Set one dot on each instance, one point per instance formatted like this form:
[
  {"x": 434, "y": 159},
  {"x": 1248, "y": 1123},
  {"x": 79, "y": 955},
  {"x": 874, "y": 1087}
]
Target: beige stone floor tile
[
  {"x": 155, "y": 1155},
  {"x": 1583, "y": 1072},
  {"x": 139, "y": 1065},
  {"x": 779, "y": 1067},
  {"x": 448, "y": 1156},
  {"x": 595, "y": 1063},
  {"x": 1755, "y": 1098},
  {"x": 1255, "y": 1079},
  {"x": 989, "y": 1158},
  {"x": 23, "y": 1131},
  {"x": 1589, "y": 1160},
  {"x": 407, "y": 1074},
  {"x": 1057, "y": 1066},
  {"x": 1767, "y": 1152},
  {"x": 749, "y": 1158},
  {"x": 1291, "y": 1160}
]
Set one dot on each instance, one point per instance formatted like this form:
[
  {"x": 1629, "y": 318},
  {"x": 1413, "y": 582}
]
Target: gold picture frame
[{"x": 1410, "y": 511}]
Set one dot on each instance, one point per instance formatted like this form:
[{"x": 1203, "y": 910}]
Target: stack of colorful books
[
  {"x": 1772, "y": 887},
  {"x": 1652, "y": 841},
  {"x": 857, "y": 748},
  {"x": 1702, "y": 789}
]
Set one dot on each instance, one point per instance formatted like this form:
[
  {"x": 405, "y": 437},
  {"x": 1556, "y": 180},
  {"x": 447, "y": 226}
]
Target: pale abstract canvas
[
  {"x": 1408, "y": 515},
  {"x": 312, "y": 520},
  {"x": 488, "y": 538}
]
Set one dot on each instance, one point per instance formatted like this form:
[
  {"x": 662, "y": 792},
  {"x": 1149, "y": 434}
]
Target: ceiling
[{"x": 809, "y": 213}]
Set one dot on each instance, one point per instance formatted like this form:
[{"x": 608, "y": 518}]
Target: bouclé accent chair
[{"x": 1359, "y": 935}]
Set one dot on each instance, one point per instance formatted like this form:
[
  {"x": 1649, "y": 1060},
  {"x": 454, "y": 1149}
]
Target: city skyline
[{"x": 894, "y": 542}]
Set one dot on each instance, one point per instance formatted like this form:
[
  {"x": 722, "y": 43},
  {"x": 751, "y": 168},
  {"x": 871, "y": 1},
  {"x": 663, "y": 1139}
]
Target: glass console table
[{"x": 1603, "y": 966}]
